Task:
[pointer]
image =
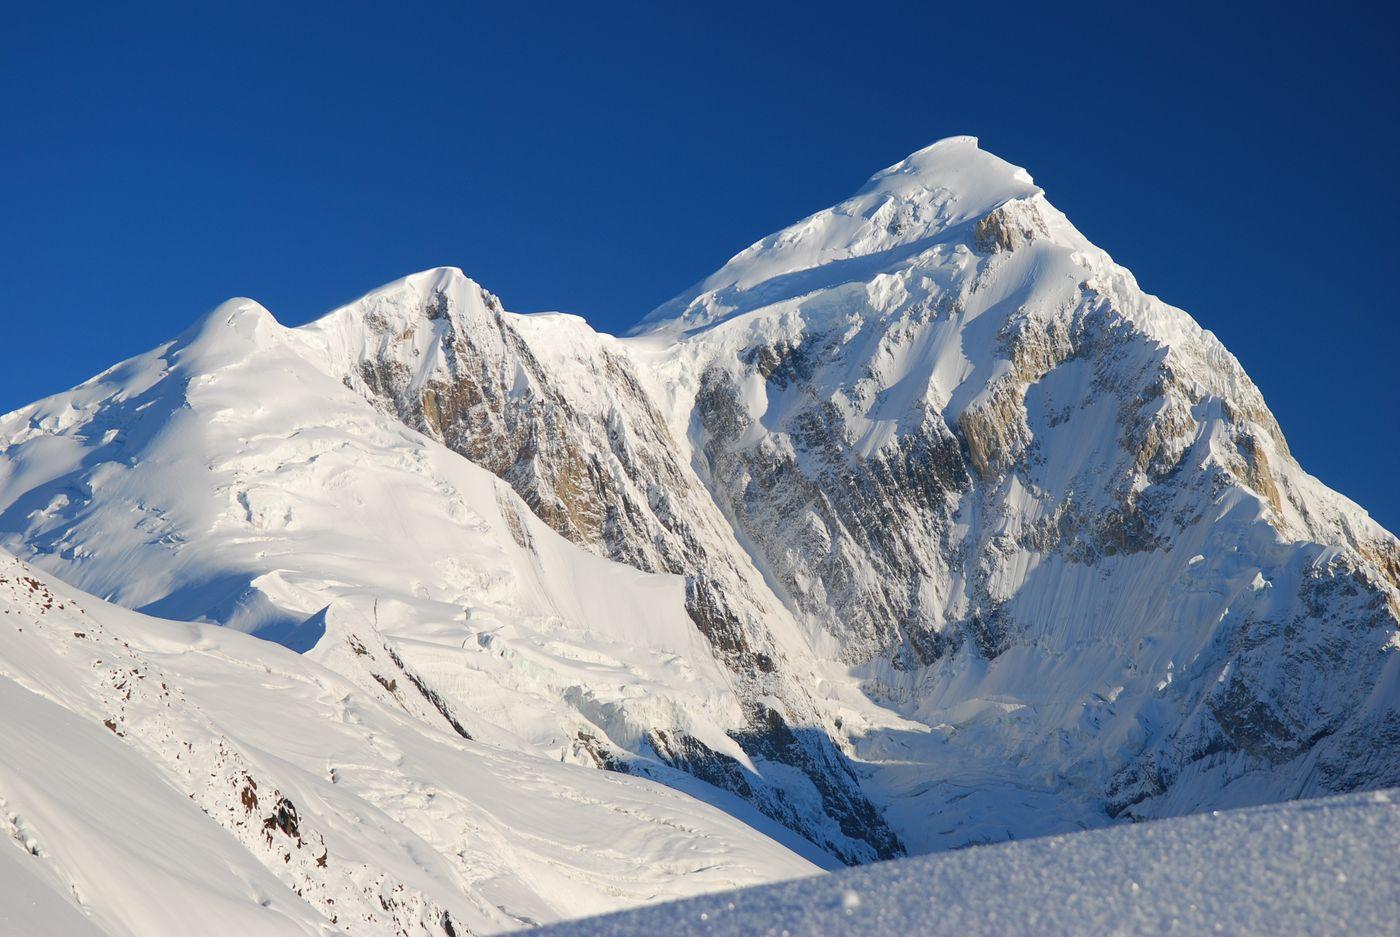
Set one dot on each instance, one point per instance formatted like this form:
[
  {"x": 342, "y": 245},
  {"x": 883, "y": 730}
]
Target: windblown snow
[{"x": 918, "y": 525}]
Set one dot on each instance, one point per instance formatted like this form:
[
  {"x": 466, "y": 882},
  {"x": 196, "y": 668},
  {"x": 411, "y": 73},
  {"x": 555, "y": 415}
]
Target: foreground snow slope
[
  {"x": 1317, "y": 867},
  {"x": 928, "y": 527},
  {"x": 167, "y": 778}
]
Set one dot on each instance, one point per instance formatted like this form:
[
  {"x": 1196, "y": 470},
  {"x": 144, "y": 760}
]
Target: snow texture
[{"x": 1321, "y": 866}]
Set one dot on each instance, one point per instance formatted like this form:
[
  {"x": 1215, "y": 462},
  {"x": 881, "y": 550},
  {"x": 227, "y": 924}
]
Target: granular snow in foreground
[{"x": 1315, "y": 866}]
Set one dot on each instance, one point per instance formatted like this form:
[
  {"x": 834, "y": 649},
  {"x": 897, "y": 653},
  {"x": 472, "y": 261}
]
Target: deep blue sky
[{"x": 155, "y": 162}]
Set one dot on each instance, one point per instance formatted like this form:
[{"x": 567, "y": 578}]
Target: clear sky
[{"x": 599, "y": 159}]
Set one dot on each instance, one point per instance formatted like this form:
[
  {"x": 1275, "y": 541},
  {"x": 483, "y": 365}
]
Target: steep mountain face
[
  {"x": 170, "y": 778},
  {"x": 1041, "y": 514},
  {"x": 563, "y": 415},
  {"x": 917, "y": 524}
]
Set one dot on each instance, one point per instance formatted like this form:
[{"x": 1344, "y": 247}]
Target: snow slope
[
  {"x": 169, "y": 778},
  {"x": 1318, "y": 867}
]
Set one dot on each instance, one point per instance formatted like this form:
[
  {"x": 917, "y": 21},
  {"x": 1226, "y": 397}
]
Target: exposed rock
[{"x": 1008, "y": 227}]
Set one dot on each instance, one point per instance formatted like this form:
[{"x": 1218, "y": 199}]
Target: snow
[
  {"x": 31, "y": 905},
  {"x": 140, "y": 761},
  {"x": 239, "y": 476},
  {"x": 1318, "y": 866},
  {"x": 104, "y": 823},
  {"x": 896, "y": 213}
]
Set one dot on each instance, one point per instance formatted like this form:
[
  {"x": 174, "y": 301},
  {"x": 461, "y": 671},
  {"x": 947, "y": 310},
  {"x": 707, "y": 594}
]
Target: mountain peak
[
  {"x": 900, "y": 211},
  {"x": 403, "y": 303},
  {"x": 423, "y": 285},
  {"x": 228, "y": 330},
  {"x": 239, "y": 313},
  {"x": 958, "y": 164}
]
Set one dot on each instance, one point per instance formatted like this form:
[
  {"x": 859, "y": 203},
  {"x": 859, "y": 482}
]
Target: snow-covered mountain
[
  {"x": 916, "y": 525},
  {"x": 1041, "y": 515}
]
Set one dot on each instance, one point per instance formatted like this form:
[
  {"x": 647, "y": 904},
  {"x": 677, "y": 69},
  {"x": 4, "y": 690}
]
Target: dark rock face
[
  {"x": 1007, "y": 228},
  {"x": 772, "y": 739},
  {"x": 1278, "y": 697},
  {"x": 828, "y": 780},
  {"x": 823, "y": 513}
]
